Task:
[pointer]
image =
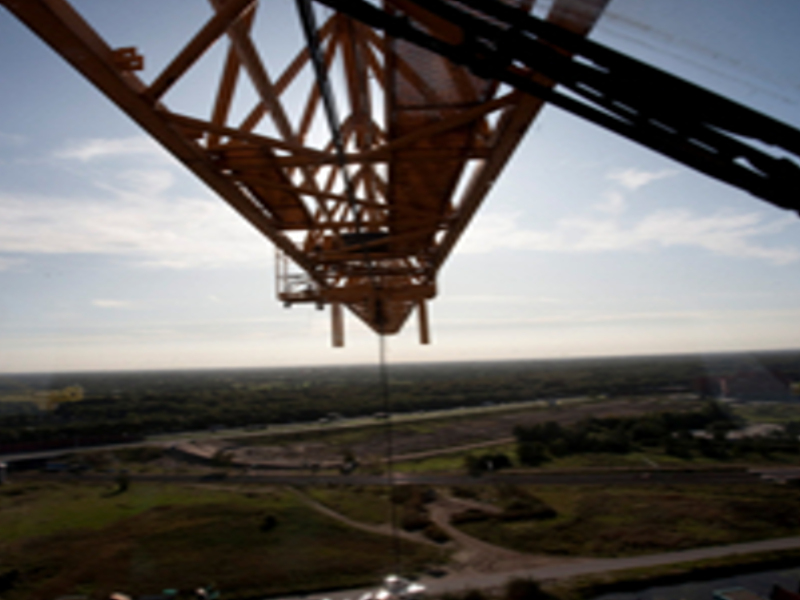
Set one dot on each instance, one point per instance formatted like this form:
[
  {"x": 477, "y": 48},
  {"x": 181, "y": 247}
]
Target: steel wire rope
[{"x": 310, "y": 30}]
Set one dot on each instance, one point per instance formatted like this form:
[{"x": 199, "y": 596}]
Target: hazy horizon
[{"x": 365, "y": 365}]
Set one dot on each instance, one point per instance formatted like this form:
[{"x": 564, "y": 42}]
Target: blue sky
[{"x": 112, "y": 256}]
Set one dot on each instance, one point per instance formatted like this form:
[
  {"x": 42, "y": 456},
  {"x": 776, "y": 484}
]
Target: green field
[
  {"x": 84, "y": 539},
  {"x": 620, "y": 521},
  {"x": 365, "y": 504},
  {"x": 768, "y": 412}
]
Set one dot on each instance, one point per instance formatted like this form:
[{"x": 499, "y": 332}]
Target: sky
[{"x": 113, "y": 256}]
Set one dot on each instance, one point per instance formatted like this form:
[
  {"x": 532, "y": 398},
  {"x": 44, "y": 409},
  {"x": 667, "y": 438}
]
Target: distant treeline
[
  {"x": 60, "y": 441},
  {"x": 140, "y": 403}
]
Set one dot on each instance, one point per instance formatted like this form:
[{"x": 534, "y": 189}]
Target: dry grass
[
  {"x": 200, "y": 537},
  {"x": 627, "y": 521},
  {"x": 368, "y": 504}
]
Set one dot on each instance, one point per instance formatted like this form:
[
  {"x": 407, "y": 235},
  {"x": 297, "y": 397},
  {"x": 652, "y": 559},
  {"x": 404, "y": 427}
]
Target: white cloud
[
  {"x": 728, "y": 234},
  {"x": 11, "y": 139},
  {"x": 107, "y": 303},
  {"x": 633, "y": 179},
  {"x": 138, "y": 214},
  {"x": 99, "y": 148},
  {"x": 144, "y": 182},
  {"x": 152, "y": 229},
  {"x": 614, "y": 203}
]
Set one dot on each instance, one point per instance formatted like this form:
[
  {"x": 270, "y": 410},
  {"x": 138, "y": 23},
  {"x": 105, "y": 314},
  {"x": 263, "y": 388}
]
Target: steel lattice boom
[
  {"x": 703, "y": 130},
  {"x": 420, "y": 127},
  {"x": 412, "y": 125}
]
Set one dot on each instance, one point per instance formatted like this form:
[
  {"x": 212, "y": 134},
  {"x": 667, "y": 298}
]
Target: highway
[{"x": 284, "y": 429}]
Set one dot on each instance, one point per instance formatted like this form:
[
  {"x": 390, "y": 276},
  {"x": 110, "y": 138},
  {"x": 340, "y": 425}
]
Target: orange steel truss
[{"x": 424, "y": 140}]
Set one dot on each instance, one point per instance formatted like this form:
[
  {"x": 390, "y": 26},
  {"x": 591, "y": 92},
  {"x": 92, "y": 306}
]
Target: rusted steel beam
[
  {"x": 231, "y": 11},
  {"x": 55, "y": 22}
]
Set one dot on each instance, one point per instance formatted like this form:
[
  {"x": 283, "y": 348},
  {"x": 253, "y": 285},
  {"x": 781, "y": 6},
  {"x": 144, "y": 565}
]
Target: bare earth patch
[{"x": 419, "y": 440}]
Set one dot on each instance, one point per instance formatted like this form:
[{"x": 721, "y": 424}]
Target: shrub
[
  {"x": 524, "y": 589},
  {"x": 497, "y": 461},
  {"x": 532, "y": 454},
  {"x": 464, "y": 491},
  {"x": 139, "y": 454},
  {"x": 474, "y": 465},
  {"x": 471, "y": 515},
  {"x": 414, "y": 519},
  {"x": 9, "y": 579},
  {"x": 530, "y": 508},
  {"x": 474, "y": 595},
  {"x": 436, "y": 534},
  {"x": 268, "y": 523}
]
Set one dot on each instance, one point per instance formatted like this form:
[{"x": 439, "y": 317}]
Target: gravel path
[
  {"x": 457, "y": 582},
  {"x": 383, "y": 529}
]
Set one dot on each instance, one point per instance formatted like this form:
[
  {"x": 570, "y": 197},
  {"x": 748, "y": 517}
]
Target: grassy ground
[
  {"x": 72, "y": 539},
  {"x": 39, "y": 398},
  {"x": 768, "y": 412},
  {"x": 30, "y": 510},
  {"x": 446, "y": 463},
  {"x": 652, "y": 458},
  {"x": 594, "y": 521},
  {"x": 657, "y": 458},
  {"x": 361, "y": 503},
  {"x": 352, "y": 431},
  {"x": 455, "y": 462}
]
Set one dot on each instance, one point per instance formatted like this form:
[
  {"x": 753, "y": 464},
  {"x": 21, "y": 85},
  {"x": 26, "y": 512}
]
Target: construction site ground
[{"x": 423, "y": 437}]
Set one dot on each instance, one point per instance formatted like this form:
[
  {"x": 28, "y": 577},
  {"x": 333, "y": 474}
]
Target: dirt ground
[
  {"x": 410, "y": 440},
  {"x": 470, "y": 555}
]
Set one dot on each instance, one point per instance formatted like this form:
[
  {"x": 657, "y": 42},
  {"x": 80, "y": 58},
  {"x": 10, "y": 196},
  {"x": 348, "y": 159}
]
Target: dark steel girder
[{"x": 691, "y": 125}]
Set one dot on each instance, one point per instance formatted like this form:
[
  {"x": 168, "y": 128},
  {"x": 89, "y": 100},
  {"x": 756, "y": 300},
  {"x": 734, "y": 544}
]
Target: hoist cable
[
  {"x": 387, "y": 409},
  {"x": 308, "y": 22}
]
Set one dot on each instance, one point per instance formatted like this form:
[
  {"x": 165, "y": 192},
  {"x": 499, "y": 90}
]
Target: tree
[
  {"x": 474, "y": 465},
  {"x": 123, "y": 480},
  {"x": 524, "y": 589},
  {"x": 532, "y": 454}
]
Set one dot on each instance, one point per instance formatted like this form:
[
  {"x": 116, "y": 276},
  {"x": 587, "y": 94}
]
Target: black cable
[
  {"x": 308, "y": 22},
  {"x": 387, "y": 409}
]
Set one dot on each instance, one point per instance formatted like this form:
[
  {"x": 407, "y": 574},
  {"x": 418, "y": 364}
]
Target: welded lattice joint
[
  {"x": 691, "y": 125},
  {"x": 128, "y": 59}
]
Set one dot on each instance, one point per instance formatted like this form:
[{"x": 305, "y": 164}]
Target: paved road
[
  {"x": 278, "y": 430},
  {"x": 573, "y": 568}
]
